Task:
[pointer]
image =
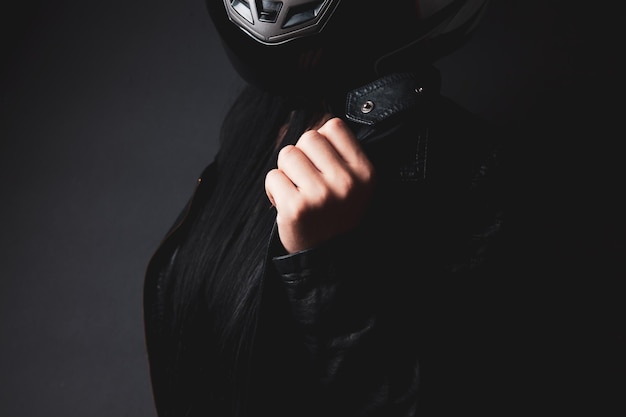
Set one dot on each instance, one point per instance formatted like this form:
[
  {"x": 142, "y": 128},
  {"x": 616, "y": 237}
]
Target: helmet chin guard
[
  {"x": 317, "y": 47},
  {"x": 274, "y": 22}
]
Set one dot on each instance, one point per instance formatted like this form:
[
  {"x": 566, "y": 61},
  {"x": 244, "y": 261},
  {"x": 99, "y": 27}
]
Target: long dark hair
[{"x": 219, "y": 267}]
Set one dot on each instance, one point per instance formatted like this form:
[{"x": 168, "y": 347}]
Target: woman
[{"x": 337, "y": 256}]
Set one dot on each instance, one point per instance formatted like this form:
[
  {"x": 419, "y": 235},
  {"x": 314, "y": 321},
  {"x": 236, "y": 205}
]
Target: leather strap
[{"x": 391, "y": 95}]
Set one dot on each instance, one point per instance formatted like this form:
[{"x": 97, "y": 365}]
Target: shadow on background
[{"x": 110, "y": 110}]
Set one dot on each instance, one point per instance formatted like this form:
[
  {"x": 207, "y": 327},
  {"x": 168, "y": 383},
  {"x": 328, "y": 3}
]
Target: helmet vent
[
  {"x": 303, "y": 13},
  {"x": 272, "y": 22},
  {"x": 268, "y": 10},
  {"x": 243, "y": 8}
]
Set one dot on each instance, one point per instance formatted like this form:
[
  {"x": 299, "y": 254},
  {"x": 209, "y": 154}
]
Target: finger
[
  {"x": 343, "y": 140},
  {"x": 279, "y": 188},
  {"x": 348, "y": 148},
  {"x": 298, "y": 168},
  {"x": 322, "y": 154}
]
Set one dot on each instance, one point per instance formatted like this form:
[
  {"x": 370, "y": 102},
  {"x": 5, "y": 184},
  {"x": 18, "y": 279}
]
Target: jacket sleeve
[{"x": 362, "y": 366}]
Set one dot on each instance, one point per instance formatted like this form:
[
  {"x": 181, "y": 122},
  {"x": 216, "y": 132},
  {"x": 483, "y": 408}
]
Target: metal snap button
[{"x": 367, "y": 107}]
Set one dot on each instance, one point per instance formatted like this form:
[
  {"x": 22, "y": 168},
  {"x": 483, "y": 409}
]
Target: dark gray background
[{"x": 110, "y": 109}]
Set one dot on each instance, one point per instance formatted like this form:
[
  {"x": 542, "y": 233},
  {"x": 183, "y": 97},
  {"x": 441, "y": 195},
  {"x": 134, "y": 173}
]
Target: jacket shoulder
[{"x": 155, "y": 283}]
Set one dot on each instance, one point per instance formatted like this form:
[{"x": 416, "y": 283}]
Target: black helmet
[{"x": 314, "y": 46}]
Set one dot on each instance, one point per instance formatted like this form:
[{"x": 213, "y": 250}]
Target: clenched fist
[{"x": 321, "y": 186}]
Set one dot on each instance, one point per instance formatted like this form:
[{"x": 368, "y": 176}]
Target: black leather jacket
[{"x": 396, "y": 318}]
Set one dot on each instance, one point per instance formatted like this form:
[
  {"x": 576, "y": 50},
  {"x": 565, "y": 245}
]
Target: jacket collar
[{"x": 391, "y": 95}]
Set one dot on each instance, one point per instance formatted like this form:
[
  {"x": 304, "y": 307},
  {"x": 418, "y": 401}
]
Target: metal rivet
[
  {"x": 419, "y": 90},
  {"x": 367, "y": 107}
]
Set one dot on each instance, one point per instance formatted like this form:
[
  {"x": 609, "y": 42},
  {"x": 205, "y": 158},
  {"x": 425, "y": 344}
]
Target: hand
[{"x": 321, "y": 187}]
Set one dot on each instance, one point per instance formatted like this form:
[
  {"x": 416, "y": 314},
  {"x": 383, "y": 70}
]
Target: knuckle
[
  {"x": 335, "y": 123},
  {"x": 344, "y": 183},
  {"x": 321, "y": 196},
  {"x": 285, "y": 153},
  {"x": 270, "y": 176},
  {"x": 368, "y": 176},
  {"x": 364, "y": 172},
  {"x": 286, "y": 150},
  {"x": 308, "y": 137}
]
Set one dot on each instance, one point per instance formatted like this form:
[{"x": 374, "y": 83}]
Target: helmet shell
[{"x": 313, "y": 47}]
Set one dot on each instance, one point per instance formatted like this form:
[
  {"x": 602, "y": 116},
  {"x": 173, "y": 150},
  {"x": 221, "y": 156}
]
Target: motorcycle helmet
[{"x": 316, "y": 46}]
